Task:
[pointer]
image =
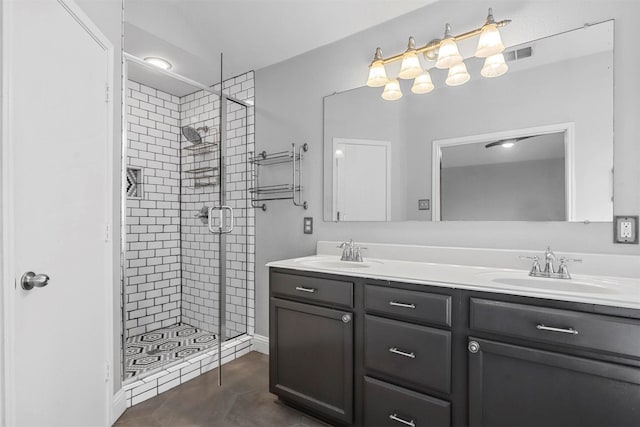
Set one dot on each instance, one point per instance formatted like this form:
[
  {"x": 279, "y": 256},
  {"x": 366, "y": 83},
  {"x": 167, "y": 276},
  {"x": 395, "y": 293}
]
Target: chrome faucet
[
  {"x": 549, "y": 270},
  {"x": 350, "y": 251}
]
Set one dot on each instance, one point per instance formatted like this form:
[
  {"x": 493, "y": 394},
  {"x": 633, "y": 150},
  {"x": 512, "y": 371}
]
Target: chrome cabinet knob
[
  {"x": 346, "y": 318},
  {"x": 473, "y": 347},
  {"x": 32, "y": 280}
]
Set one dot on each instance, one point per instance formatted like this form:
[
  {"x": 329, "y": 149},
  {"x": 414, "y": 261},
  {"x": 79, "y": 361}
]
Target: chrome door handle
[
  {"x": 395, "y": 350},
  {"x": 220, "y": 229},
  {"x": 303, "y": 289},
  {"x": 32, "y": 280},
  {"x": 395, "y": 417},
  {"x": 542, "y": 327},
  {"x": 402, "y": 304}
]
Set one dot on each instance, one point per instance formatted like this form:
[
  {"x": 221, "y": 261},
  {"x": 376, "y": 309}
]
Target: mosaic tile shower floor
[{"x": 153, "y": 349}]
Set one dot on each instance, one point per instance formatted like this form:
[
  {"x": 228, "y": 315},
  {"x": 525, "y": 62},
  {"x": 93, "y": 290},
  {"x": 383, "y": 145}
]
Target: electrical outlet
[
  {"x": 625, "y": 229},
  {"x": 308, "y": 225}
]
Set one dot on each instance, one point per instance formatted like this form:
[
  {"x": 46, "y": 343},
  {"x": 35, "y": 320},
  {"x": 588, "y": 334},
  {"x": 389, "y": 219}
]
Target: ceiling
[{"x": 253, "y": 34}]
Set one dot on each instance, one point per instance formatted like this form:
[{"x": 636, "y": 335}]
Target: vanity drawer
[
  {"x": 416, "y": 355},
  {"x": 410, "y": 305},
  {"x": 316, "y": 289},
  {"x": 572, "y": 328},
  {"x": 386, "y": 405}
]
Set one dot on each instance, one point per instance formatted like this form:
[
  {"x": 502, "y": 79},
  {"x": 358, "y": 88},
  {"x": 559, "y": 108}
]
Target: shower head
[{"x": 193, "y": 135}]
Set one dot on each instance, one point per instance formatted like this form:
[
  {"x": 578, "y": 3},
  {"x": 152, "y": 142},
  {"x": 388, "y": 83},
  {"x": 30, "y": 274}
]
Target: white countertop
[{"x": 591, "y": 289}]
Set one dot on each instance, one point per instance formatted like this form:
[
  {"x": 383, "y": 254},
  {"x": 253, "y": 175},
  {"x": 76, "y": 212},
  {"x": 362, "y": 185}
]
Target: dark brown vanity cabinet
[
  {"x": 589, "y": 376},
  {"x": 311, "y": 345},
  {"x": 427, "y": 356}
]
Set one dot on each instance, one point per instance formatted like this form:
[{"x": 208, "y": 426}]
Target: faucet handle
[
  {"x": 535, "y": 267},
  {"x": 564, "y": 260}
]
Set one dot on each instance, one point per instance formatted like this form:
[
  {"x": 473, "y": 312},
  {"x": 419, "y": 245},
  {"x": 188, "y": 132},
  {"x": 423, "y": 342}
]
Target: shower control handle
[{"x": 32, "y": 280}]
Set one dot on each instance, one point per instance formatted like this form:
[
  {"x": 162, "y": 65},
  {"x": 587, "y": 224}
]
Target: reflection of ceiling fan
[{"x": 507, "y": 143}]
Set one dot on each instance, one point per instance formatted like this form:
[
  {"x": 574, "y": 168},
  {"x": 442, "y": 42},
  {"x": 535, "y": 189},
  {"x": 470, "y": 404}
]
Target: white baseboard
[
  {"x": 119, "y": 406},
  {"x": 260, "y": 343}
]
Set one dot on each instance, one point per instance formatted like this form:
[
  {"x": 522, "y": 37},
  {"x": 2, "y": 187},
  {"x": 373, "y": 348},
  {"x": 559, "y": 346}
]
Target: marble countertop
[{"x": 604, "y": 290}]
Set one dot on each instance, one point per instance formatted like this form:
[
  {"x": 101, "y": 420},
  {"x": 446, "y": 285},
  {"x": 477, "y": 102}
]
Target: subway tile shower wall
[
  {"x": 152, "y": 296},
  {"x": 200, "y": 252}
]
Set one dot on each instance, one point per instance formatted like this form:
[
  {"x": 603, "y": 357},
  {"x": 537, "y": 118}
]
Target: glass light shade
[
  {"x": 392, "y": 90},
  {"x": 494, "y": 66},
  {"x": 458, "y": 75},
  {"x": 158, "y": 62},
  {"x": 377, "y": 75},
  {"x": 490, "y": 42},
  {"x": 448, "y": 54},
  {"x": 410, "y": 67},
  {"x": 422, "y": 84}
]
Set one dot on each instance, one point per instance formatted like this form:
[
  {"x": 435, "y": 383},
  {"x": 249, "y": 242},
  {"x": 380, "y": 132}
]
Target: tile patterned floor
[
  {"x": 153, "y": 349},
  {"x": 242, "y": 401}
]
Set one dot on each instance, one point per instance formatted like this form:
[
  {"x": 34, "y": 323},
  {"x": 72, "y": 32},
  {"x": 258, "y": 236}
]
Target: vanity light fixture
[
  {"x": 446, "y": 55},
  {"x": 158, "y": 62}
]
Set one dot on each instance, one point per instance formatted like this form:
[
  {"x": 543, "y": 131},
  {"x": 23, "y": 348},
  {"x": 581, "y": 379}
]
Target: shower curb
[{"x": 184, "y": 370}]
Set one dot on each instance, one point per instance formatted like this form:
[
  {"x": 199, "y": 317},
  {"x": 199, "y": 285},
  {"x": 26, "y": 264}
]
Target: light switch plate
[
  {"x": 625, "y": 229},
  {"x": 424, "y": 204},
  {"x": 308, "y": 225}
]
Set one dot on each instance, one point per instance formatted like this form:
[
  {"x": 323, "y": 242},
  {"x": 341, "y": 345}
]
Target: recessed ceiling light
[
  {"x": 508, "y": 144},
  {"x": 158, "y": 62}
]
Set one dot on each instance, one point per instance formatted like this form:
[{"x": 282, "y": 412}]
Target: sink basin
[
  {"x": 334, "y": 264},
  {"x": 552, "y": 285}
]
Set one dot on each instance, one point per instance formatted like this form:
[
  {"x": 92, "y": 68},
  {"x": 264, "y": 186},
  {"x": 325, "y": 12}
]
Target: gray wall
[
  {"x": 533, "y": 190},
  {"x": 289, "y": 108}
]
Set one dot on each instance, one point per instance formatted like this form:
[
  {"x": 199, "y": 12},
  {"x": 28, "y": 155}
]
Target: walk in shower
[{"x": 188, "y": 256}]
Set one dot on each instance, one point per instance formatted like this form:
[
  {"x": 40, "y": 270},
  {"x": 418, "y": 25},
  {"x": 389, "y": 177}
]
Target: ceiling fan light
[
  {"x": 392, "y": 90},
  {"x": 422, "y": 83},
  {"x": 494, "y": 66},
  {"x": 458, "y": 75}
]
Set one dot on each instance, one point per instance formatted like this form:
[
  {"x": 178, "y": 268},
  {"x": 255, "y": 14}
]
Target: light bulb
[
  {"x": 494, "y": 66},
  {"x": 410, "y": 67},
  {"x": 458, "y": 75},
  {"x": 448, "y": 54},
  {"x": 422, "y": 83},
  {"x": 392, "y": 90},
  {"x": 377, "y": 75},
  {"x": 508, "y": 144},
  {"x": 490, "y": 42}
]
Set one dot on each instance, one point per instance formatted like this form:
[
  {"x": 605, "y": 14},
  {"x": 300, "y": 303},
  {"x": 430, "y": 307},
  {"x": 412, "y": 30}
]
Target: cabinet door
[
  {"x": 311, "y": 357},
  {"x": 519, "y": 386}
]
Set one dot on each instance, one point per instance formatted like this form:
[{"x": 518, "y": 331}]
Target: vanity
[{"x": 390, "y": 342}]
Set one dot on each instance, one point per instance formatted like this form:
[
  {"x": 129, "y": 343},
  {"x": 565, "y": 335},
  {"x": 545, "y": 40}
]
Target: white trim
[
  {"x": 7, "y": 214},
  {"x": 260, "y": 343},
  {"x": 569, "y": 150},
  {"x": 360, "y": 141},
  {"x": 119, "y": 405}
]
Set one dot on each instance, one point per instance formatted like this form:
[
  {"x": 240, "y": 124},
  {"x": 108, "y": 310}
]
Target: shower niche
[{"x": 187, "y": 292}]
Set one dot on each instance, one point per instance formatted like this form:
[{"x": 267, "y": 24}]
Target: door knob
[{"x": 32, "y": 280}]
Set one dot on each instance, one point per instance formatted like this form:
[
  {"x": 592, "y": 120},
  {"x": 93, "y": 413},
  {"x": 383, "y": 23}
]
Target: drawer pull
[
  {"x": 402, "y": 304},
  {"x": 303, "y": 289},
  {"x": 542, "y": 327},
  {"x": 395, "y": 417},
  {"x": 395, "y": 350}
]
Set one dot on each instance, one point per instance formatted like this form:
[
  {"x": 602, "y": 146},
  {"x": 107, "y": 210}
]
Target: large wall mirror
[{"x": 535, "y": 144}]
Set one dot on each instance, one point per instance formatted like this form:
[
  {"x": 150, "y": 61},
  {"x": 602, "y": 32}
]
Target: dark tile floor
[{"x": 243, "y": 401}]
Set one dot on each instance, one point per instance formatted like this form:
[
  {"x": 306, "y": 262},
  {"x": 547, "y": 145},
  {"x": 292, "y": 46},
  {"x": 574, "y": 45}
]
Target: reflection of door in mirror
[{"x": 361, "y": 179}]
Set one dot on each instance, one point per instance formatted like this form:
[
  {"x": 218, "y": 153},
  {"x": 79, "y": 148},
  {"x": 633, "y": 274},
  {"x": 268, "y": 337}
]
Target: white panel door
[
  {"x": 56, "y": 171},
  {"x": 362, "y": 179}
]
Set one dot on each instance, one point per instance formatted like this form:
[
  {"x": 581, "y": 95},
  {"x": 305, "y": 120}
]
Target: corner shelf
[{"x": 289, "y": 191}]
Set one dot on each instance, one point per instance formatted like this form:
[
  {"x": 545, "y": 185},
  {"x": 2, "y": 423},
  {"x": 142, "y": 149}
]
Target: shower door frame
[{"x": 223, "y": 99}]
